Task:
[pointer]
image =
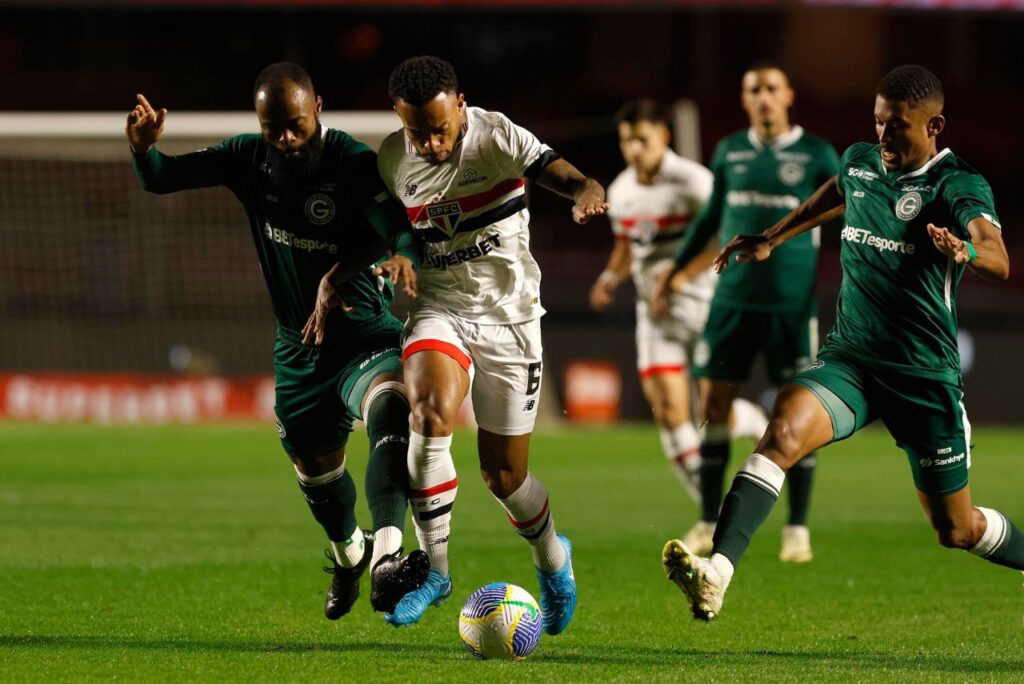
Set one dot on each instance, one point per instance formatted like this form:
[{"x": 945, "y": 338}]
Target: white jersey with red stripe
[
  {"x": 470, "y": 211},
  {"x": 654, "y": 219}
]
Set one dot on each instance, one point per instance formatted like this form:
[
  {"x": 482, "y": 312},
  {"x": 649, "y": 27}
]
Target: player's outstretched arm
[
  {"x": 985, "y": 253},
  {"x": 602, "y": 292},
  {"x": 824, "y": 205},
  {"x": 562, "y": 178}
]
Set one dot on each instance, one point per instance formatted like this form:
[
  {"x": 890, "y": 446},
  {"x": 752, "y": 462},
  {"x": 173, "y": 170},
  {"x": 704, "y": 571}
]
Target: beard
[{"x": 285, "y": 171}]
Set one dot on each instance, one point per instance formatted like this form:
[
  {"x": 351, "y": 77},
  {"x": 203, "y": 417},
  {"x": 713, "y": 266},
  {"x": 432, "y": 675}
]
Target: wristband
[{"x": 971, "y": 252}]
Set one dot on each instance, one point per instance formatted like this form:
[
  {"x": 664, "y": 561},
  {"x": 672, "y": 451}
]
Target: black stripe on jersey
[
  {"x": 436, "y": 513},
  {"x": 541, "y": 163},
  {"x": 503, "y": 211}
]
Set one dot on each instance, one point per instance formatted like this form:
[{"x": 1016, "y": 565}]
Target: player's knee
[
  {"x": 432, "y": 420},
  {"x": 781, "y": 443}
]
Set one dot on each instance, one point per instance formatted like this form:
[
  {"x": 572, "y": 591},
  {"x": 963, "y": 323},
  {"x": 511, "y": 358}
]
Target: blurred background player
[
  {"x": 650, "y": 204},
  {"x": 312, "y": 194},
  {"x": 760, "y": 173},
  {"x": 461, "y": 173},
  {"x": 916, "y": 219}
]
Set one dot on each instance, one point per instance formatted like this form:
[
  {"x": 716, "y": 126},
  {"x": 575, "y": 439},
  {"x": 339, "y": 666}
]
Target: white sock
[
  {"x": 528, "y": 511},
  {"x": 681, "y": 446},
  {"x": 748, "y": 420},
  {"x": 995, "y": 533},
  {"x": 432, "y": 488},
  {"x": 724, "y": 567},
  {"x": 349, "y": 552},
  {"x": 386, "y": 540}
]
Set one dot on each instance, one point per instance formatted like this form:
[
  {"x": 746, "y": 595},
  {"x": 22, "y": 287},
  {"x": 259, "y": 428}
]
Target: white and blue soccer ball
[{"x": 500, "y": 621}]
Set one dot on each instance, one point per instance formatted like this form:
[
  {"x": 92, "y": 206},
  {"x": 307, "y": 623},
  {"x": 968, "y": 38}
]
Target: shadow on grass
[{"x": 608, "y": 655}]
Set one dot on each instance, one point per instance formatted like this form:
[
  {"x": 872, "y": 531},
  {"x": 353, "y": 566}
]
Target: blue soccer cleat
[
  {"x": 435, "y": 591},
  {"x": 558, "y": 593}
]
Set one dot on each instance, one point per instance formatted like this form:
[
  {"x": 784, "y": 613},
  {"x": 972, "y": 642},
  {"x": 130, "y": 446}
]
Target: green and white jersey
[
  {"x": 756, "y": 185},
  {"x": 302, "y": 230},
  {"x": 897, "y": 302}
]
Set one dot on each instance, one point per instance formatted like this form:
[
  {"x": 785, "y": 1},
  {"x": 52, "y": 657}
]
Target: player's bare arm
[
  {"x": 674, "y": 279},
  {"x": 824, "y": 205},
  {"x": 562, "y": 178},
  {"x": 145, "y": 125},
  {"x": 985, "y": 253},
  {"x": 602, "y": 292}
]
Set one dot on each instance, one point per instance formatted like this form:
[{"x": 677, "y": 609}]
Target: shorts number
[{"x": 532, "y": 378}]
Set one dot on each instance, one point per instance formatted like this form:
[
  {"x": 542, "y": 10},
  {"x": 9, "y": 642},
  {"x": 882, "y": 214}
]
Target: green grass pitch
[{"x": 184, "y": 554}]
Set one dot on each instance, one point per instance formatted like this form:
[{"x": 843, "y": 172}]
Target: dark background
[{"x": 562, "y": 72}]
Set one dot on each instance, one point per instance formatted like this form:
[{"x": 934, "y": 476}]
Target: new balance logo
[{"x": 530, "y": 403}]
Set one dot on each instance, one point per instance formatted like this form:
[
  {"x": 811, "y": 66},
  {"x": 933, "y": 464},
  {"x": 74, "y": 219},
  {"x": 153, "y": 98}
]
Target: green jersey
[
  {"x": 300, "y": 230},
  {"x": 756, "y": 185},
  {"x": 897, "y": 302}
]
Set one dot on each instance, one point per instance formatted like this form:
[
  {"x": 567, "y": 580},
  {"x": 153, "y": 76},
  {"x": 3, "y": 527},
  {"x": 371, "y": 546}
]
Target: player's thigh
[
  {"x": 508, "y": 373},
  {"x": 791, "y": 342},
  {"x": 928, "y": 420},
  {"x": 437, "y": 364},
  {"x": 374, "y": 370},
  {"x": 838, "y": 384},
  {"x": 311, "y": 418},
  {"x": 669, "y": 396},
  {"x": 727, "y": 346}
]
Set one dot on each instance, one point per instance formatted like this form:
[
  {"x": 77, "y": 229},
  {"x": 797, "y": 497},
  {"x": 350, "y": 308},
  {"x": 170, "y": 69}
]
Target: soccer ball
[{"x": 500, "y": 620}]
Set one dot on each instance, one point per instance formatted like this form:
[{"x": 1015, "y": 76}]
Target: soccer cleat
[
  {"x": 796, "y": 544},
  {"x": 435, "y": 591},
  {"x": 700, "y": 538},
  {"x": 558, "y": 592},
  {"x": 698, "y": 579},
  {"x": 344, "y": 589},
  {"x": 396, "y": 575}
]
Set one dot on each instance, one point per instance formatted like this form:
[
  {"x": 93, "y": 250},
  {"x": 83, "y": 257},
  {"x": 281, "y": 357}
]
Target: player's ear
[
  {"x": 461, "y": 101},
  {"x": 319, "y": 105},
  {"x": 666, "y": 132},
  {"x": 935, "y": 125}
]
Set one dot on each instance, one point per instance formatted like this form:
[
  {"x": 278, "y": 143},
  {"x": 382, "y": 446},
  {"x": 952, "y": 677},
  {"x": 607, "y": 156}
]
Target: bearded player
[
  {"x": 461, "y": 173},
  {"x": 651, "y": 204},
  {"x": 313, "y": 198},
  {"x": 916, "y": 219}
]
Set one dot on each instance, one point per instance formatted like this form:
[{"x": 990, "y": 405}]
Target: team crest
[
  {"x": 444, "y": 216},
  {"x": 319, "y": 209},
  {"x": 908, "y": 206},
  {"x": 791, "y": 173}
]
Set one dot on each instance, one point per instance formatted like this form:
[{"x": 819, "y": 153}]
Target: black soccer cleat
[
  {"x": 396, "y": 575},
  {"x": 344, "y": 589}
]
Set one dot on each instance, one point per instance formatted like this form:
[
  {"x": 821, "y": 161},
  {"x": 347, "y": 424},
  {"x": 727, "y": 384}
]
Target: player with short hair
[
  {"x": 461, "y": 173},
  {"x": 761, "y": 173},
  {"x": 651, "y": 204},
  {"x": 313, "y": 197},
  {"x": 916, "y": 219}
]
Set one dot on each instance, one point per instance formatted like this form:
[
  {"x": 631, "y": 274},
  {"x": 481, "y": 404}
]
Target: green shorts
[
  {"x": 319, "y": 390},
  {"x": 925, "y": 416},
  {"x": 732, "y": 337}
]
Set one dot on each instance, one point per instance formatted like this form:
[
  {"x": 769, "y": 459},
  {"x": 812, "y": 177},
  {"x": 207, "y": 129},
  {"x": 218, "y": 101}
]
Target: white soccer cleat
[
  {"x": 796, "y": 544},
  {"x": 700, "y": 538},
  {"x": 700, "y": 581}
]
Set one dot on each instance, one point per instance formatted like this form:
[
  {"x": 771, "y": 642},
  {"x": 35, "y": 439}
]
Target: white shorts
[
  {"x": 666, "y": 346},
  {"x": 504, "y": 363}
]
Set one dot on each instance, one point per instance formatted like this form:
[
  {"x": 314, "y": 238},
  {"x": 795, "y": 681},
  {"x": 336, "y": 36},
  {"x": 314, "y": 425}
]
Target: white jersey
[
  {"x": 470, "y": 212},
  {"x": 654, "y": 219}
]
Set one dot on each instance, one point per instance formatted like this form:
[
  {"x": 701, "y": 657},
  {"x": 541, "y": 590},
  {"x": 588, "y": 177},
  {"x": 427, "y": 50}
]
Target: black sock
[
  {"x": 387, "y": 472},
  {"x": 714, "y": 456},
  {"x": 799, "y": 480},
  {"x": 333, "y": 503}
]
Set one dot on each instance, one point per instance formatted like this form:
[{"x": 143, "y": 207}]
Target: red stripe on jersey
[
  {"x": 446, "y": 348},
  {"x": 471, "y": 202},
  {"x": 433, "y": 491},
  {"x": 530, "y": 523},
  {"x": 660, "y": 370},
  {"x": 663, "y": 222}
]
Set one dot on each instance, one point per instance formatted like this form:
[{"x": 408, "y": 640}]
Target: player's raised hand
[
  {"x": 746, "y": 248},
  {"x": 660, "y": 294},
  {"x": 589, "y": 205},
  {"x": 327, "y": 298},
  {"x": 949, "y": 244},
  {"x": 400, "y": 271},
  {"x": 145, "y": 125}
]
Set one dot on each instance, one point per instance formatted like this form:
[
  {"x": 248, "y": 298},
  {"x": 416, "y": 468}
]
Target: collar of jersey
[
  {"x": 782, "y": 142},
  {"x": 927, "y": 165}
]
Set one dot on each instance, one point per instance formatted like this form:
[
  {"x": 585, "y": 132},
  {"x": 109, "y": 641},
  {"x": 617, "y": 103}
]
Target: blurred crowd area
[{"x": 561, "y": 73}]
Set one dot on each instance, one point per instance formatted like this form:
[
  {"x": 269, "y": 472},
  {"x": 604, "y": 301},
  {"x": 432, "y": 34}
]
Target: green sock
[
  {"x": 332, "y": 499},
  {"x": 1002, "y": 543},
  {"x": 798, "y": 481},
  {"x": 714, "y": 455},
  {"x": 387, "y": 472},
  {"x": 753, "y": 493}
]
